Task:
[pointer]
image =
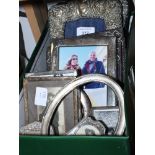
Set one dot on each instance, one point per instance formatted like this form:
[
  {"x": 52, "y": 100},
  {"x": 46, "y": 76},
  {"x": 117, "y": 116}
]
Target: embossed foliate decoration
[
  {"x": 120, "y": 50},
  {"x": 88, "y": 127},
  {"x": 108, "y": 115},
  {"x": 109, "y": 11},
  {"x": 33, "y": 129}
]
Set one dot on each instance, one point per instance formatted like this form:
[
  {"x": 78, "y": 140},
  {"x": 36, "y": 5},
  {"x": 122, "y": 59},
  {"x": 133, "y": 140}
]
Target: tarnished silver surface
[
  {"x": 78, "y": 82},
  {"x": 86, "y": 104},
  {"x": 109, "y": 11},
  {"x": 33, "y": 129},
  {"x": 120, "y": 51},
  {"x": 64, "y": 73},
  {"x": 108, "y": 115},
  {"x": 88, "y": 127}
]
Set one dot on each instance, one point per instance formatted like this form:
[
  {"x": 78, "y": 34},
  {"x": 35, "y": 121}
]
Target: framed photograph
[
  {"x": 88, "y": 56},
  {"x": 39, "y": 91}
]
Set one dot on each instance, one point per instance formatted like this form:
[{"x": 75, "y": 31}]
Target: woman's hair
[{"x": 69, "y": 61}]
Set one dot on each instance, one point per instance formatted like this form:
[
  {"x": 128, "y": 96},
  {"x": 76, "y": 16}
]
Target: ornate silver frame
[
  {"x": 87, "y": 122},
  {"x": 35, "y": 113},
  {"x": 110, "y": 11}
]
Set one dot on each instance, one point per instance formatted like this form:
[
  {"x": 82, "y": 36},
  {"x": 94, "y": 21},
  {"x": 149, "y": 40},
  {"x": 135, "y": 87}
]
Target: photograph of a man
[{"x": 93, "y": 66}]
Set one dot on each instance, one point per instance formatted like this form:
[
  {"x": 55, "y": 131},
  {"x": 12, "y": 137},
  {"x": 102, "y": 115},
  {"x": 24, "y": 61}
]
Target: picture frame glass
[{"x": 89, "y": 59}]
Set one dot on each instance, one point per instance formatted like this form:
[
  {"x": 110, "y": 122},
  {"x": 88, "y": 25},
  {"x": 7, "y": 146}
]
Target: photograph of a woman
[{"x": 73, "y": 64}]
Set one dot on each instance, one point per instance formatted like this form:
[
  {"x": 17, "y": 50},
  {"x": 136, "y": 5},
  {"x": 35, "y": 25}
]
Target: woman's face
[{"x": 74, "y": 60}]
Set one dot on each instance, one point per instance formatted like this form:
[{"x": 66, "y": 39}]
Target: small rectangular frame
[{"x": 62, "y": 122}]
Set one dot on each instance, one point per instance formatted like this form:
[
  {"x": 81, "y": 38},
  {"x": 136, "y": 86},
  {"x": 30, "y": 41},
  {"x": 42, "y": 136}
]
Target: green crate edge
[{"x": 69, "y": 145}]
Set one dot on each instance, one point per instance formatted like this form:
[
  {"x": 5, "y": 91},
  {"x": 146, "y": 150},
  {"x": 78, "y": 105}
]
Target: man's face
[{"x": 93, "y": 56}]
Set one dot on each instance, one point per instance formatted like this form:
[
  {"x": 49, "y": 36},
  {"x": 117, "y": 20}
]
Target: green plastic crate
[{"x": 77, "y": 145}]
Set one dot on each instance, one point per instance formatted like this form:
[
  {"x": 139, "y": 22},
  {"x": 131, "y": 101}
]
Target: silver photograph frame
[
  {"x": 109, "y": 41},
  {"x": 59, "y": 15},
  {"x": 70, "y": 106}
]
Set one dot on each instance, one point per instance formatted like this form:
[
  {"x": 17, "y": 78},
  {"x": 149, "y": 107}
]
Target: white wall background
[
  {"x": 29, "y": 47},
  {"x": 27, "y": 34}
]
